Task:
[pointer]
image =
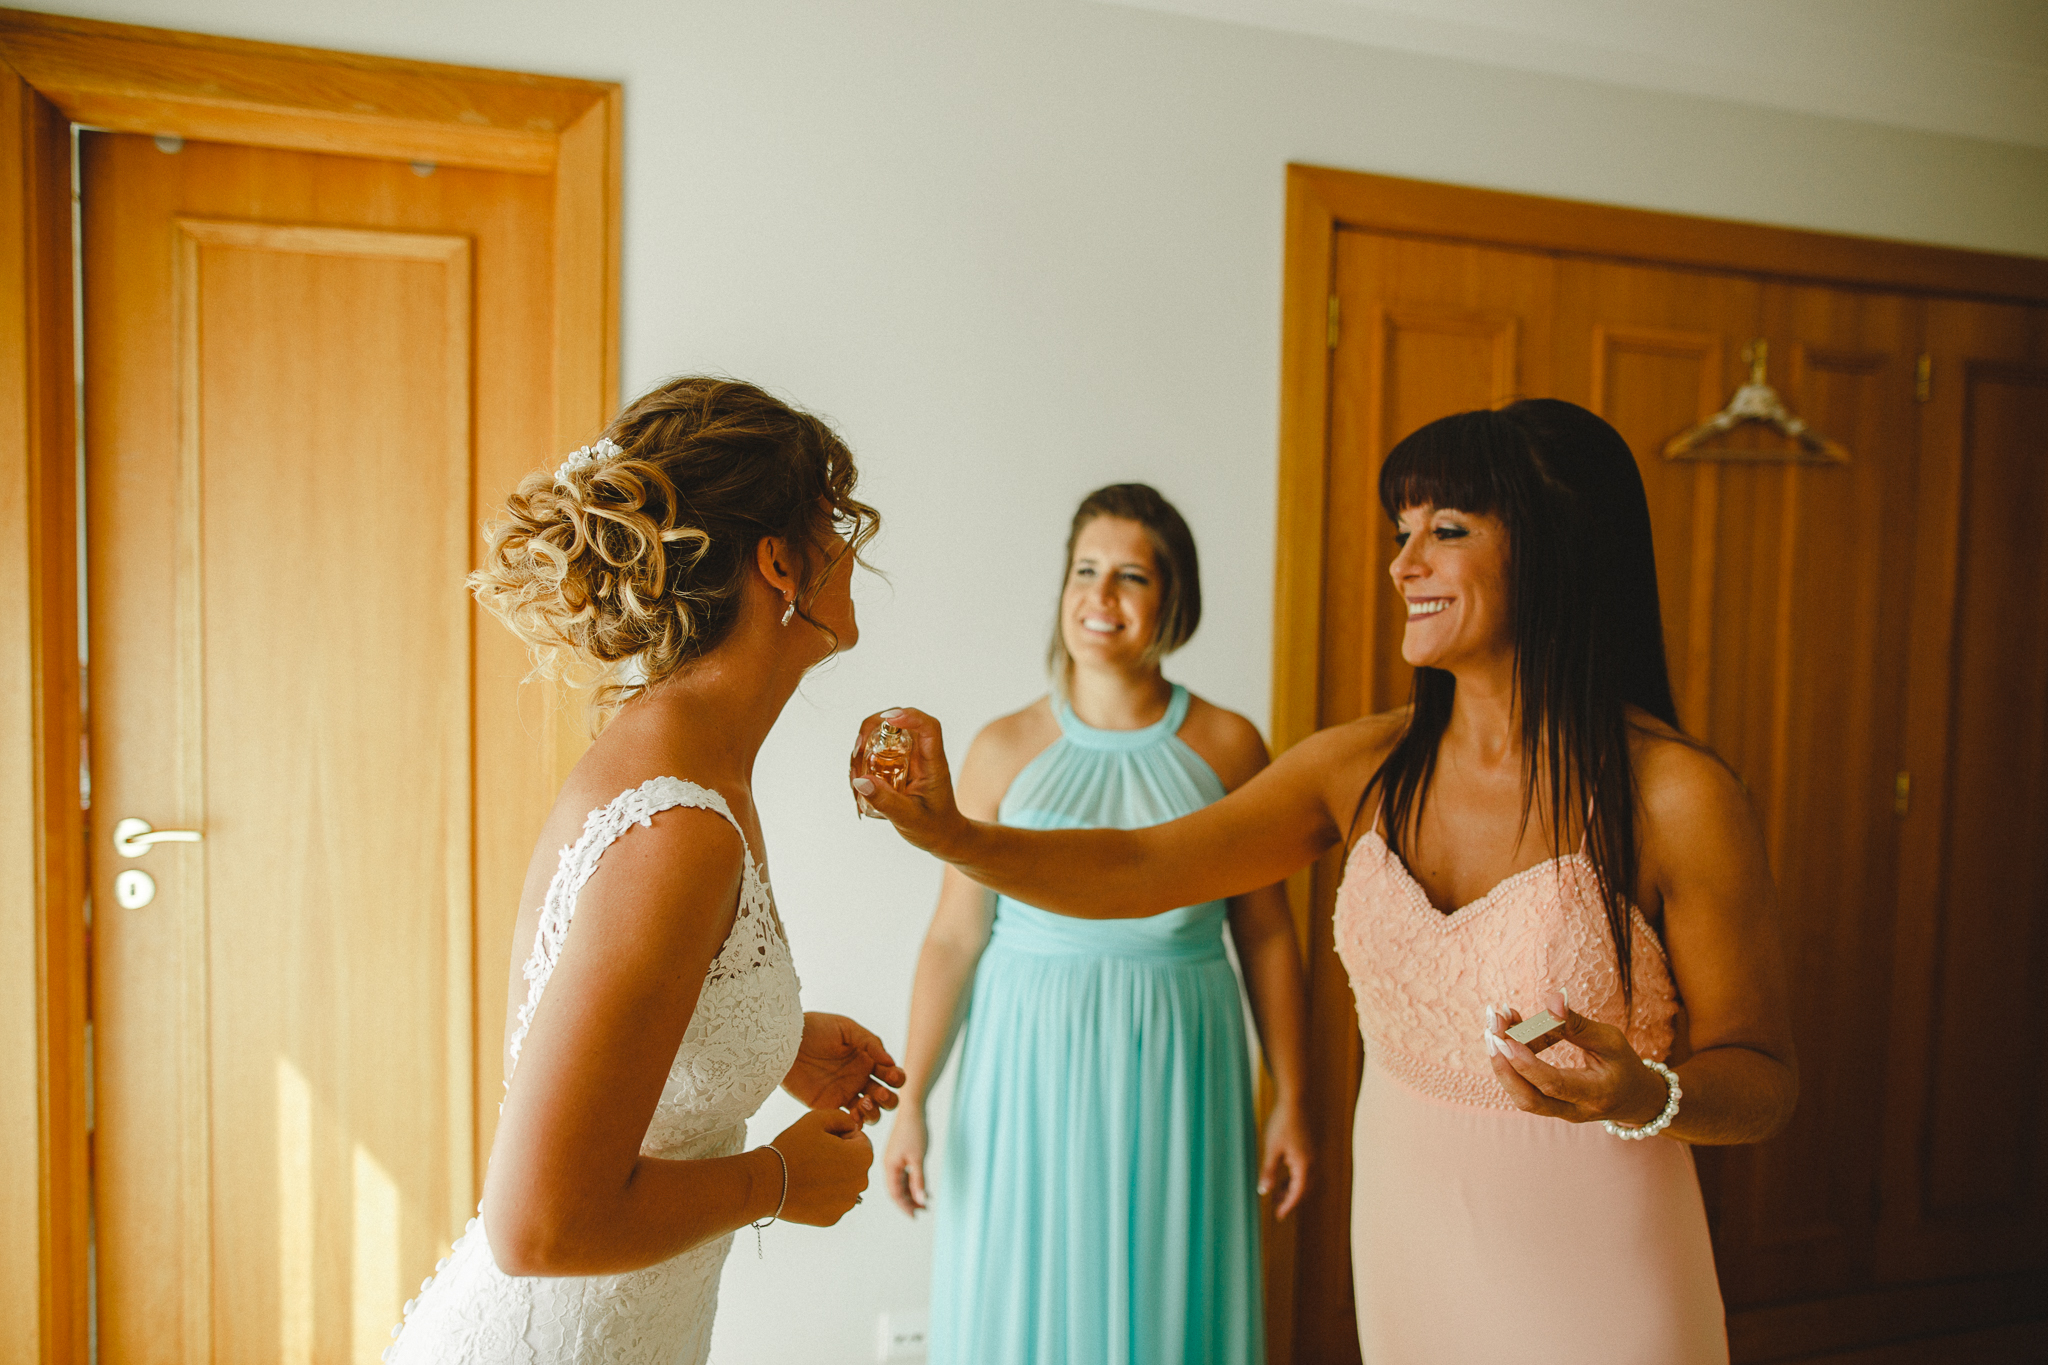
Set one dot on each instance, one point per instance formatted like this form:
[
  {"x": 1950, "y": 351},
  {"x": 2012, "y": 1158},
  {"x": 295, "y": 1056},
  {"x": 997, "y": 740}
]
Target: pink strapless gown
[{"x": 1482, "y": 1235}]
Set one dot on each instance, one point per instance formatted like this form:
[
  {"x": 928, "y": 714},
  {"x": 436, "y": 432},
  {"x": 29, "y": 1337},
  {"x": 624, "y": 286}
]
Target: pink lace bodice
[{"x": 1423, "y": 979}]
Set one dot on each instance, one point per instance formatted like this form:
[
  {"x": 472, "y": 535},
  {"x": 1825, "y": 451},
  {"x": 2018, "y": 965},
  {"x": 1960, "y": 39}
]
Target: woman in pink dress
[{"x": 1532, "y": 833}]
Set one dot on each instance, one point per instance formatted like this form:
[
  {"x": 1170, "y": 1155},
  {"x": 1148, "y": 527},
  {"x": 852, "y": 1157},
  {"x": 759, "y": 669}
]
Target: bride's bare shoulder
[{"x": 623, "y": 759}]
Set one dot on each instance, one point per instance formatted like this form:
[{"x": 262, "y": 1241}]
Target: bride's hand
[
  {"x": 1615, "y": 1085},
  {"x": 828, "y": 1158},
  {"x": 840, "y": 1065},
  {"x": 920, "y": 804}
]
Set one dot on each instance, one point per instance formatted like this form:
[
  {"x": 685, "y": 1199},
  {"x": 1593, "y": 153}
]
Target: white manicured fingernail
[
  {"x": 892, "y": 713},
  {"x": 863, "y": 786}
]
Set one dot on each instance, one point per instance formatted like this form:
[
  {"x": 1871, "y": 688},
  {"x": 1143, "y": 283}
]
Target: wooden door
[
  {"x": 295, "y": 365},
  {"x": 1784, "y": 587},
  {"x": 1964, "y": 1146}
]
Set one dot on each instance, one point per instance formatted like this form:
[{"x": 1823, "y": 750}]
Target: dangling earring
[{"x": 790, "y": 612}]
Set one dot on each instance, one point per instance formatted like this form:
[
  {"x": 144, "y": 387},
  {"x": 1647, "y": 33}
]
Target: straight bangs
[{"x": 1466, "y": 462}]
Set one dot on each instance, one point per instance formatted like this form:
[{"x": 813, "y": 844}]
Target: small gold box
[{"x": 1538, "y": 1032}]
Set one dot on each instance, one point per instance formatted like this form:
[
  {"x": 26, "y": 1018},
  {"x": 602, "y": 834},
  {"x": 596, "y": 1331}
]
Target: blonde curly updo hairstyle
[{"x": 639, "y": 559}]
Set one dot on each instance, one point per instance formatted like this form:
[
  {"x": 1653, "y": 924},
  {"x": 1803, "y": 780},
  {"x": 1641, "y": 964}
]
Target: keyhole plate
[{"x": 134, "y": 889}]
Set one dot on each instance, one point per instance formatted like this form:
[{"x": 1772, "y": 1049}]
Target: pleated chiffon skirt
[{"x": 1095, "y": 1199}]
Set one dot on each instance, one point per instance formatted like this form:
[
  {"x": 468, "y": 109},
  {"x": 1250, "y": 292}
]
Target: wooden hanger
[{"x": 1755, "y": 401}]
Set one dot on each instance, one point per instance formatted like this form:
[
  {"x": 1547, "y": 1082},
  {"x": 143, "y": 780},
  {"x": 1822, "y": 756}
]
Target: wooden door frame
[
  {"x": 59, "y": 71},
  {"x": 1320, "y": 202}
]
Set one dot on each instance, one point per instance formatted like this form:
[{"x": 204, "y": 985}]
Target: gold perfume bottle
[{"x": 888, "y": 759}]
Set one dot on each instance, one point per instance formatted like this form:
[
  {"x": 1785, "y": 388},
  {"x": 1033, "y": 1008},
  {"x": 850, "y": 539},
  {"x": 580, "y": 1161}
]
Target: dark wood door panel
[
  {"x": 1966, "y": 1168},
  {"x": 1980, "y": 1158},
  {"x": 1781, "y": 584},
  {"x": 1832, "y": 626},
  {"x": 1822, "y": 627},
  {"x": 1655, "y": 351}
]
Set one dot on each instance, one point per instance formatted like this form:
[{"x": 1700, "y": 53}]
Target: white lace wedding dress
[{"x": 738, "y": 1047}]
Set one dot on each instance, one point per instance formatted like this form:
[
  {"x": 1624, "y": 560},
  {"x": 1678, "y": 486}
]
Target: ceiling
[{"x": 1974, "y": 68}]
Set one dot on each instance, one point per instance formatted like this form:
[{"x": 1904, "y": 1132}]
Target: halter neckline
[{"x": 1078, "y": 731}]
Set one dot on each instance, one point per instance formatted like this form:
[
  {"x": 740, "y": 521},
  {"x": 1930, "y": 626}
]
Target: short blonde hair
[
  {"x": 639, "y": 559},
  {"x": 1173, "y": 554}
]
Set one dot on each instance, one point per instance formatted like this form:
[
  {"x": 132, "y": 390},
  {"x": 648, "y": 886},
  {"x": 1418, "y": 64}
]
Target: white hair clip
[{"x": 588, "y": 457}]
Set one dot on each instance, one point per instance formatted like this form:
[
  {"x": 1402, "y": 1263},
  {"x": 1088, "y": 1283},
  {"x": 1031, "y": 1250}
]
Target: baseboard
[
  {"x": 2017, "y": 1341},
  {"x": 1829, "y": 1328}
]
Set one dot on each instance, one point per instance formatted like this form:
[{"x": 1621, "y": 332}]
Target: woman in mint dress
[{"x": 1097, "y": 1197}]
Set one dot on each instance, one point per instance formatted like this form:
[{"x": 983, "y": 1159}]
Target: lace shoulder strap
[{"x": 636, "y": 806}]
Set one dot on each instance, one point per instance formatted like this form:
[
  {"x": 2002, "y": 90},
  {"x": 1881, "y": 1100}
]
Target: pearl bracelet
[{"x": 1663, "y": 1120}]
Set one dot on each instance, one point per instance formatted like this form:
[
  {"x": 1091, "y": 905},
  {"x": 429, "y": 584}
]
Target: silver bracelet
[
  {"x": 758, "y": 1253},
  {"x": 1663, "y": 1120}
]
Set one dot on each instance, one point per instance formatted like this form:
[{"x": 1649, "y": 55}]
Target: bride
[{"x": 708, "y": 540}]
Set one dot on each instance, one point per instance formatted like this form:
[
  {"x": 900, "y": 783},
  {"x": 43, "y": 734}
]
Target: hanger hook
[{"x": 1756, "y": 353}]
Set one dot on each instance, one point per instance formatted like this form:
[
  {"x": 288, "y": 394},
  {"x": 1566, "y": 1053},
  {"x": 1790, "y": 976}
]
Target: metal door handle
[{"x": 133, "y": 837}]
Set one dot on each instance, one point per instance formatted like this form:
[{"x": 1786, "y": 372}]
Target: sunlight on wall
[
  {"x": 376, "y": 1289},
  {"x": 294, "y": 1215}
]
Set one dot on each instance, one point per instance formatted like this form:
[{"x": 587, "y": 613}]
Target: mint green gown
[{"x": 1095, "y": 1200}]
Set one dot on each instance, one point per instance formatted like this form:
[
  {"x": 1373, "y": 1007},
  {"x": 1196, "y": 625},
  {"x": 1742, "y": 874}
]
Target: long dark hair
[{"x": 1589, "y": 638}]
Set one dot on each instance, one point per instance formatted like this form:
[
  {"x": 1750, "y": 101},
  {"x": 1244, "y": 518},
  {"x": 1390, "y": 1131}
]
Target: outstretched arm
[{"x": 1279, "y": 821}]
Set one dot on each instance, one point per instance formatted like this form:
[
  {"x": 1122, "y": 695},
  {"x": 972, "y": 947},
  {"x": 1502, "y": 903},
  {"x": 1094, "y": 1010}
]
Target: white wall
[
  {"x": 1972, "y": 68},
  {"x": 1017, "y": 249}
]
